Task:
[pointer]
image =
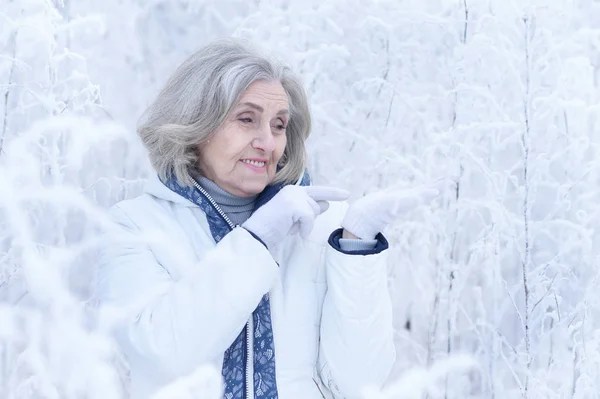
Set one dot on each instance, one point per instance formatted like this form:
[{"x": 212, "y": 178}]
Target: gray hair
[{"x": 199, "y": 95}]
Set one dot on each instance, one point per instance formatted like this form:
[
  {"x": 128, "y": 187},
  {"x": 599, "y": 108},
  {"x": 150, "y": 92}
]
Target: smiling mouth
[
  {"x": 258, "y": 164},
  {"x": 259, "y": 167}
]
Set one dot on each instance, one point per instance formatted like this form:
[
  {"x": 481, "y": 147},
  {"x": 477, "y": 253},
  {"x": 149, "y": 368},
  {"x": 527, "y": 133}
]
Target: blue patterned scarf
[{"x": 234, "y": 361}]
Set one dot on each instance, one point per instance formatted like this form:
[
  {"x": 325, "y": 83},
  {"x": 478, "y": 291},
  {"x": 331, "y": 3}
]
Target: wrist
[
  {"x": 347, "y": 234},
  {"x": 357, "y": 226}
]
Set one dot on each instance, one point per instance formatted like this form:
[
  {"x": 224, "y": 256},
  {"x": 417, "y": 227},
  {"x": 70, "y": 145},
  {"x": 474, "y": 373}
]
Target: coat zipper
[
  {"x": 249, "y": 359},
  {"x": 214, "y": 204},
  {"x": 249, "y": 323}
]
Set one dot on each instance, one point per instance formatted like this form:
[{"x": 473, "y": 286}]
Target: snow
[{"x": 495, "y": 287}]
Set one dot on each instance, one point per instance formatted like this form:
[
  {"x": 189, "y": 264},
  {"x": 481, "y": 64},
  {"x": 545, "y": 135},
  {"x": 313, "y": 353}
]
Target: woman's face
[{"x": 242, "y": 156}]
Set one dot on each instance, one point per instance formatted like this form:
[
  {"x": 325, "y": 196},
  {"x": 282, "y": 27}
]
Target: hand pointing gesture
[{"x": 291, "y": 210}]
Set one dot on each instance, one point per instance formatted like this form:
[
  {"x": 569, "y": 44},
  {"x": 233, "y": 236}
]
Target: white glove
[
  {"x": 370, "y": 214},
  {"x": 291, "y": 210}
]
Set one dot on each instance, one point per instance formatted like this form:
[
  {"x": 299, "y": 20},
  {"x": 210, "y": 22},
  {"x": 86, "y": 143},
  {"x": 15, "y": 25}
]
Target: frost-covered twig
[
  {"x": 526, "y": 261},
  {"x": 8, "y": 89}
]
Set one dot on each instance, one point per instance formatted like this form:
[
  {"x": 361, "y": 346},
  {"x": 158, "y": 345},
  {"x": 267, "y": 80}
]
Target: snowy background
[{"x": 502, "y": 93}]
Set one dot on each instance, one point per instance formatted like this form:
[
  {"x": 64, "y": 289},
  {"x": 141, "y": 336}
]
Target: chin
[
  {"x": 252, "y": 189},
  {"x": 253, "y": 186}
]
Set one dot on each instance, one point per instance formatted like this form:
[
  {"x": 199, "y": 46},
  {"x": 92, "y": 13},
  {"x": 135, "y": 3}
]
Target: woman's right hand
[{"x": 291, "y": 210}]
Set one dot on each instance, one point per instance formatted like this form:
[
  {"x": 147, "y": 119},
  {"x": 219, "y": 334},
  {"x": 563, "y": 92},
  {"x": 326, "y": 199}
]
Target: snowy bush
[{"x": 501, "y": 94}]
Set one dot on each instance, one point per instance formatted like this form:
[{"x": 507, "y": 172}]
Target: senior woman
[{"x": 231, "y": 258}]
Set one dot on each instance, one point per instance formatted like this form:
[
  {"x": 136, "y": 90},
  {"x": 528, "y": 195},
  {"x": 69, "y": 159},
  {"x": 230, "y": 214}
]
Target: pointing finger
[
  {"x": 324, "y": 205},
  {"x": 322, "y": 193}
]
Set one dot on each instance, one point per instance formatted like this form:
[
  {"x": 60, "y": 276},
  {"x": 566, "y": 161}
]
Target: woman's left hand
[{"x": 369, "y": 215}]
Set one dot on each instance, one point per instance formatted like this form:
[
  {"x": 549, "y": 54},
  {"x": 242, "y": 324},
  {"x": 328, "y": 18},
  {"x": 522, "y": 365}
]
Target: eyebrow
[{"x": 261, "y": 109}]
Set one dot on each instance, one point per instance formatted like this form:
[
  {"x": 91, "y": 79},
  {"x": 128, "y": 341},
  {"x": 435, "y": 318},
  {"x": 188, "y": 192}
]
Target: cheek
[
  {"x": 231, "y": 141},
  {"x": 228, "y": 152},
  {"x": 212, "y": 160}
]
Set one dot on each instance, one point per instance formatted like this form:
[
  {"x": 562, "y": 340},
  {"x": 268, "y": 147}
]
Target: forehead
[{"x": 265, "y": 94}]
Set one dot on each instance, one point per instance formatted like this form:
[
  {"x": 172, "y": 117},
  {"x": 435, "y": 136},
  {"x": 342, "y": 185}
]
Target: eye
[
  {"x": 280, "y": 126},
  {"x": 245, "y": 120}
]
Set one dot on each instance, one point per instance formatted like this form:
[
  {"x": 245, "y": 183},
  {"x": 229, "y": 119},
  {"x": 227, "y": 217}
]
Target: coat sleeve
[
  {"x": 178, "y": 325},
  {"x": 356, "y": 348}
]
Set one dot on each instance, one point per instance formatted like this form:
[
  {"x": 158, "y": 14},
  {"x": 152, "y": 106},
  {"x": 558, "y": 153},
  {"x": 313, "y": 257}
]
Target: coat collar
[{"x": 156, "y": 188}]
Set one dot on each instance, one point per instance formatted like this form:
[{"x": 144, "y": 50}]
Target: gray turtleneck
[{"x": 239, "y": 209}]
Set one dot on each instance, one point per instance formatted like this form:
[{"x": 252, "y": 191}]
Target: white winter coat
[{"x": 184, "y": 299}]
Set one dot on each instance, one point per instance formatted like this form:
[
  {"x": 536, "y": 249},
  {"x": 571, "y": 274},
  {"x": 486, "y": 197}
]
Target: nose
[{"x": 264, "y": 140}]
